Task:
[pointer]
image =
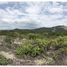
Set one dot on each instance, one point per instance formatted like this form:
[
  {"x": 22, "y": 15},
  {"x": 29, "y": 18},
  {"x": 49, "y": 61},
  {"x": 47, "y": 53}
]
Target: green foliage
[
  {"x": 8, "y": 39},
  {"x": 42, "y": 43},
  {"x": 52, "y": 44},
  {"x": 24, "y": 50},
  {"x": 36, "y": 46},
  {"x": 35, "y": 42},
  {"x": 64, "y": 49},
  {"x": 60, "y": 40},
  {"x": 3, "y": 60},
  {"x": 8, "y": 42},
  {"x": 33, "y": 36},
  {"x": 56, "y": 43},
  {"x": 28, "y": 49},
  {"x": 36, "y": 51}
]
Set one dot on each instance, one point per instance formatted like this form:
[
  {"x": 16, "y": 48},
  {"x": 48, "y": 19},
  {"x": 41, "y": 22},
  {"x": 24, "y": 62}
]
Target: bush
[
  {"x": 8, "y": 39},
  {"x": 60, "y": 40},
  {"x": 64, "y": 49},
  {"x": 36, "y": 51},
  {"x": 33, "y": 36},
  {"x": 3, "y": 60},
  {"x": 29, "y": 50},
  {"x": 42, "y": 43},
  {"x": 24, "y": 49},
  {"x": 52, "y": 44},
  {"x": 8, "y": 42},
  {"x": 56, "y": 43}
]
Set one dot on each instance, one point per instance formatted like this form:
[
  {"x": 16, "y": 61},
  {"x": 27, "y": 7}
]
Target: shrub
[
  {"x": 24, "y": 50},
  {"x": 60, "y": 40},
  {"x": 42, "y": 42},
  {"x": 56, "y": 43},
  {"x": 64, "y": 49},
  {"x": 29, "y": 50},
  {"x": 33, "y": 36},
  {"x": 52, "y": 44},
  {"x": 3, "y": 60},
  {"x": 36, "y": 51},
  {"x": 8, "y": 39}
]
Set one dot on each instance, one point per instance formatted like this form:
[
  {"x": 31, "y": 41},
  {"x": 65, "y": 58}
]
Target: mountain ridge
[{"x": 57, "y": 27}]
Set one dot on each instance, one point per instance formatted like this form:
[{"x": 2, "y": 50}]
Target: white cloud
[
  {"x": 13, "y": 11},
  {"x": 56, "y": 10},
  {"x": 32, "y": 10},
  {"x": 9, "y": 15},
  {"x": 33, "y": 13}
]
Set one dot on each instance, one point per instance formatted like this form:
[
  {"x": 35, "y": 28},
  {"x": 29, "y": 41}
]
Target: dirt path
[
  {"x": 17, "y": 61},
  {"x": 8, "y": 55}
]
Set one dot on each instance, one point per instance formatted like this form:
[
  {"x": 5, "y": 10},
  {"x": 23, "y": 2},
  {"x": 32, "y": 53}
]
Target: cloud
[
  {"x": 56, "y": 10},
  {"x": 32, "y": 15},
  {"x": 32, "y": 10}
]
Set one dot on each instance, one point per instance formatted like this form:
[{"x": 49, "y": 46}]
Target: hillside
[{"x": 42, "y": 46}]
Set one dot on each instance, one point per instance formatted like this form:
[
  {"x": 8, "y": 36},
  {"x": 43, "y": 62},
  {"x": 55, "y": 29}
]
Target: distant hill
[
  {"x": 51, "y": 30},
  {"x": 44, "y": 28}
]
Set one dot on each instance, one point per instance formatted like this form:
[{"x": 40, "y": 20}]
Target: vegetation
[
  {"x": 4, "y": 61},
  {"x": 34, "y": 43},
  {"x": 28, "y": 49}
]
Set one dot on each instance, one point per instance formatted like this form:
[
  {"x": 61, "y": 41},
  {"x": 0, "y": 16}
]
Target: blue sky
[{"x": 29, "y": 15}]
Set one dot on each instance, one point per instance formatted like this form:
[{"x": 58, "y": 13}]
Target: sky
[{"x": 30, "y": 15}]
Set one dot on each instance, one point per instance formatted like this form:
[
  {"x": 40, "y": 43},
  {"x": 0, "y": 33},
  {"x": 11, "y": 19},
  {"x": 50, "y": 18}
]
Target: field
[{"x": 44, "y": 46}]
